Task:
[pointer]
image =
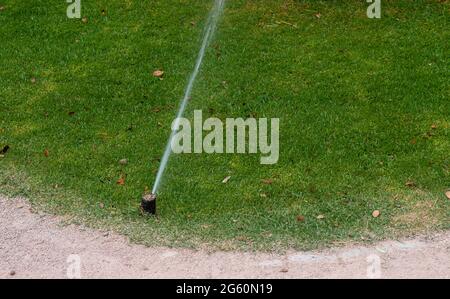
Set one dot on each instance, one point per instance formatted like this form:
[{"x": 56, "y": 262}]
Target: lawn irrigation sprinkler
[{"x": 148, "y": 203}]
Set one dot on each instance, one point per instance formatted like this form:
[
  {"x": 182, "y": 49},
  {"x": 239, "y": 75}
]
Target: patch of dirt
[
  {"x": 418, "y": 218},
  {"x": 38, "y": 246}
]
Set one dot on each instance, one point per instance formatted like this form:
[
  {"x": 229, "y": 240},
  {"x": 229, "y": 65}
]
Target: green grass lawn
[{"x": 363, "y": 107}]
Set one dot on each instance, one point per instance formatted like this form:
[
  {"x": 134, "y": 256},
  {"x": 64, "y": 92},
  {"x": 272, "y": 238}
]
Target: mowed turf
[{"x": 363, "y": 107}]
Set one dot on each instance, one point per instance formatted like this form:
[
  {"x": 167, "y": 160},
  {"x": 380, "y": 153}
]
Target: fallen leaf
[
  {"x": 84, "y": 20},
  {"x": 225, "y": 180},
  {"x": 376, "y": 214},
  {"x": 267, "y": 181},
  {"x": 447, "y": 194},
  {"x": 193, "y": 23},
  {"x": 5, "y": 149},
  {"x": 71, "y": 113},
  {"x": 123, "y": 162},
  {"x": 410, "y": 184},
  {"x": 121, "y": 181},
  {"x": 101, "y": 205},
  {"x": 300, "y": 218},
  {"x": 158, "y": 73},
  {"x": 2, "y": 8},
  {"x": 318, "y": 15},
  {"x": 46, "y": 153},
  {"x": 320, "y": 217},
  {"x": 434, "y": 126},
  {"x": 413, "y": 141},
  {"x": 263, "y": 195},
  {"x": 33, "y": 80}
]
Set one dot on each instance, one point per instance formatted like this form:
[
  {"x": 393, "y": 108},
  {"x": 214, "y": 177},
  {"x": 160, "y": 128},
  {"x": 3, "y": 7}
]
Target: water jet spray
[{"x": 148, "y": 203}]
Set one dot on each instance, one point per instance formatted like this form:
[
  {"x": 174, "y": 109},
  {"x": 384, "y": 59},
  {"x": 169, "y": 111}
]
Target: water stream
[{"x": 210, "y": 29}]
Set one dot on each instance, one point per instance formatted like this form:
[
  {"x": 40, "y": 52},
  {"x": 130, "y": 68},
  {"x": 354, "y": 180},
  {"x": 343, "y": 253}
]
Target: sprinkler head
[{"x": 148, "y": 204}]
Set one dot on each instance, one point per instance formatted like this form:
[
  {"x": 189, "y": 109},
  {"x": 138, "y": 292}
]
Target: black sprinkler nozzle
[{"x": 148, "y": 204}]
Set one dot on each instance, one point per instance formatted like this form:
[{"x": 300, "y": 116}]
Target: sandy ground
[{"x": 38, "y": 246}]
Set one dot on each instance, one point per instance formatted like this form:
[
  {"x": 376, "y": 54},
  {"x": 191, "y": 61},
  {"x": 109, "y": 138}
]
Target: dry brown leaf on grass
[
  {"x": 321, "y": 217},
  {"x": 410, "y": 184},
  {"x": 267, "y": 181},
  {"x": 46, "y": 153},
  {"x": 84, "y": 20},
  {"x": 121, "y": 181},
  {"x": 300, "y": 218},
  {"x": 158, "y": 73}
]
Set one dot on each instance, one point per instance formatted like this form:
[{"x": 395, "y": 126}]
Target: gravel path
[{"x": 38, "y": 246}]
